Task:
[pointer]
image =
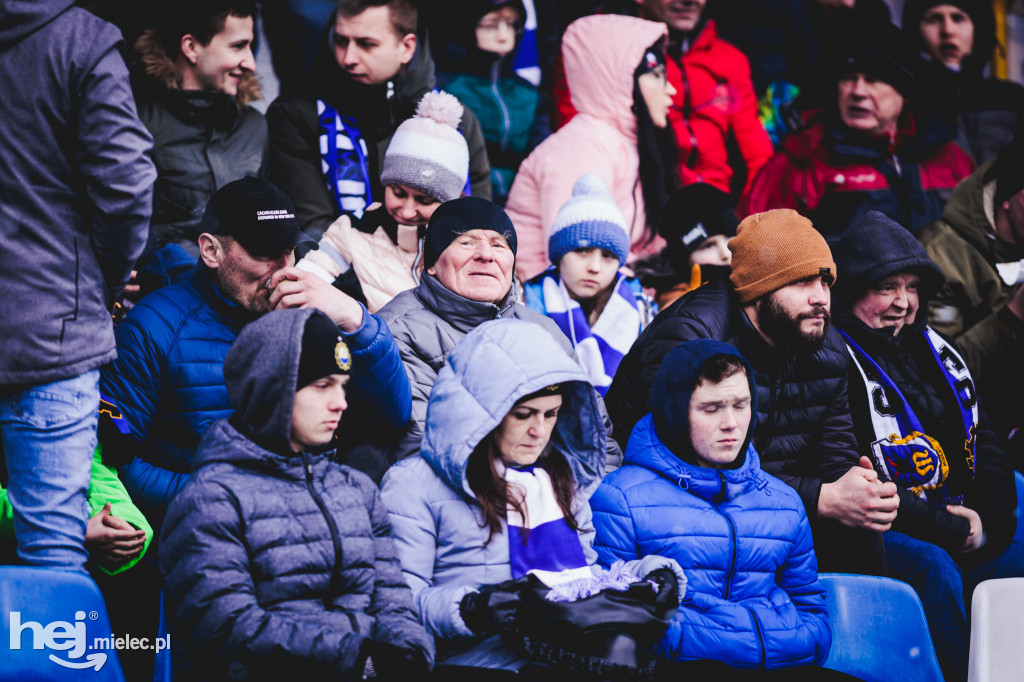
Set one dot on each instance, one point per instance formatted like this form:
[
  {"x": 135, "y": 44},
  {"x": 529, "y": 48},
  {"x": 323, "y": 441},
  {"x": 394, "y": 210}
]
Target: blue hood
[
  {"x": 673, "y": 387},
  {"x": 491, "y": 368}
]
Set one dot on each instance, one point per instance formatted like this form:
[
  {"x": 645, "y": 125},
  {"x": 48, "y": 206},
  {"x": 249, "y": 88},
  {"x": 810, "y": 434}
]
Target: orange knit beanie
[{"x": 776, "y": 248}]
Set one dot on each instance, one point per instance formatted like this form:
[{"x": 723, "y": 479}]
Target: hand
[
  {"x": 112, "y": 541},
  {"x": 859, "y": 500},
  {"x": 295, "y": 288},
  {"x": 976, "y": 538},
  {"x": 666, "y": 600},
  {"x": 493, "y": 608},
  {"x": 393, "y": 662}
]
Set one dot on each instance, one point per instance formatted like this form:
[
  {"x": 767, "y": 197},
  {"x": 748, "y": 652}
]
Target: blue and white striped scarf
[
  {"x": 343, "y": 160},
  {"x": 599, "y": 349},
  {"x": 552, "y": 549}
]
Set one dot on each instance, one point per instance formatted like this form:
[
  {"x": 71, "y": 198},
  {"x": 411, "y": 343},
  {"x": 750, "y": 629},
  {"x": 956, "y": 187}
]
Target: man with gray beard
[{"x": 775, "y": 310}]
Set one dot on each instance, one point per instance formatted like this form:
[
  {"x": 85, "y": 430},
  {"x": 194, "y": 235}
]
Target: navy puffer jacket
[{"x": 277, "y": 564}]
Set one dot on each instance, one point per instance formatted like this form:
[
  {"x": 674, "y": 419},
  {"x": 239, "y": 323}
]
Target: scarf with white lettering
[{"x": 902, "y": 451}]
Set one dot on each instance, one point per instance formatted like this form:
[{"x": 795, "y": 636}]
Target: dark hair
[
  {"x": 719, "y": 367},
  {"x": 404, "y": 15},
  {"x": 201, "y": 20},
  {"x": 493, "y": 494},
  {"x": 659, "y": 158}
]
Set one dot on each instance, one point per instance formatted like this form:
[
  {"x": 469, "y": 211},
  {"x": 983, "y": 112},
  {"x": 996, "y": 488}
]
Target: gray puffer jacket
[
  {"x": 278, "y": 565},
  {"x": 428, "y": 321}
]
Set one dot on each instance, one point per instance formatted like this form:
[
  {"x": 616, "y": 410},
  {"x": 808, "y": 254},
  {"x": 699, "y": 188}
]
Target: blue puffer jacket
[
  {"x": 168, "y": 380},
  {"x": 741, "y": 536},
  {"x": 434, "y": 515}
]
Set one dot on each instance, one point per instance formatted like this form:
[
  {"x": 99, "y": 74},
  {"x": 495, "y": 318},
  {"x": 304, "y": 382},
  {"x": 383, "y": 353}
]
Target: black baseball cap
[{"x": 256, "y": 213}]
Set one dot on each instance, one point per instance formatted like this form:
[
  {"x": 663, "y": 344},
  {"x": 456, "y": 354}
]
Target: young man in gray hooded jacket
[{"x": 278, "y": 561}]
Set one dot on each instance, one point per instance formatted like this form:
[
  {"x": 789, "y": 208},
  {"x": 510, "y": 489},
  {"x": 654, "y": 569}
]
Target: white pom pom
[
  {"x": 589, "y": 184},
  {"x": 441, "y": 107}
]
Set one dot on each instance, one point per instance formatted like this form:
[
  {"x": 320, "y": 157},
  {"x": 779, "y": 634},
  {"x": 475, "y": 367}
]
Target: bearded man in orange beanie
[{"x": 774, "y": 309}]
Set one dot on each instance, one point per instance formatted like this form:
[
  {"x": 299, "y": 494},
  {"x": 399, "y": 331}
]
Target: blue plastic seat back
[
  {"x": 54, "y": 626},
  {"x": 1019, "y": 478},
  {"x": 879, "y": 630}
]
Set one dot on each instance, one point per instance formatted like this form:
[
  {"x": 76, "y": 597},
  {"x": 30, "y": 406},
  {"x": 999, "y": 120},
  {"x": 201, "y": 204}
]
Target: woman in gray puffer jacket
[
  {"x": 455, "y": 547},
  {"x": 278, "y": 561}
]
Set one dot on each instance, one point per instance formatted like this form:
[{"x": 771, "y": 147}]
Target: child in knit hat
[
  {"x": 380, "y": 254},
  {"x": 600, "y": 308}
]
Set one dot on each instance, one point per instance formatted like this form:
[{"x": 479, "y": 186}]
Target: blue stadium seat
[
  {"x": 879, "y": 630},
  {"x": 1019, "y": 477},
  {"x": 58, "y": 622}
]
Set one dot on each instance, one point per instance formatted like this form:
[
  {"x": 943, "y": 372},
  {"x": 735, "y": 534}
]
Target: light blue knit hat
[{"x": 591, "y": 219}]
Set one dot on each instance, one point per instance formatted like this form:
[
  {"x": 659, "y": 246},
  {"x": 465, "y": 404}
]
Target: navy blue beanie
[{"x": 457, "y": 216}]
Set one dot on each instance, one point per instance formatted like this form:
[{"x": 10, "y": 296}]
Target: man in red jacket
[{"x": 714, "y": 101}]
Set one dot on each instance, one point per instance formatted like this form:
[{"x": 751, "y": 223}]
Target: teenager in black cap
[
  {"x": 277, "y": 559},
  {"x": 875, "y": 148},
  {"x": 697, "y": 223}
]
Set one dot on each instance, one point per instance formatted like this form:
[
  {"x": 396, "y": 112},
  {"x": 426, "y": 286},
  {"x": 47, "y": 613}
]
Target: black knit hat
[
  {"x": 692, "y": 214},
  {"x": 323, "y": 352},
  {"x": 457, "y": 216},
  {"x": 884, "y": 55}
]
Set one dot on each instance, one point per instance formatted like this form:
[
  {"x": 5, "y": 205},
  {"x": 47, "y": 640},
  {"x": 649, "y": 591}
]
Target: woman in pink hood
[{"x": 615, "y": 70}]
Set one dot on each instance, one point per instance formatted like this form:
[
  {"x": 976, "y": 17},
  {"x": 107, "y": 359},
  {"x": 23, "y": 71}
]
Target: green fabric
[{"x": 104, "y": 487}]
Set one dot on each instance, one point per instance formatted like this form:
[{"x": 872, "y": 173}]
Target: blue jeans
[
  {"x": 945, "y": 586},
  {"x": 49, "y": 435}
]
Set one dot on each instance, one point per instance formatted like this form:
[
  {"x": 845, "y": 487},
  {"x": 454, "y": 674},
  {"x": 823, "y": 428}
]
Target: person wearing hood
[
  {"x": 920, "y": 422},
  {"x": 979, "y": 244},
  {"x": 957, "y": 39},
  {"x": 615, "y": 67},
  {"x": 533, "y": 425},
  {"x": 874, "y": 147},
  {"x": 76, "y": 184},
  {"x": 328, "y": 141},
  {"x": 278, "y": 561},
  {"x": 478, "y": 65},
  {"x": 469, "y": 258},
  {"x": 194, "y": 86},
  {"x": 692, "y": 489}
]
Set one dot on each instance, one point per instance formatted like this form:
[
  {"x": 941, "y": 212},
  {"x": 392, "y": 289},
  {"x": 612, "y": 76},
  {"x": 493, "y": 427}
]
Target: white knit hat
[
  {"x": 427, "y": 152},
  {"x": 590, "y": 219}
]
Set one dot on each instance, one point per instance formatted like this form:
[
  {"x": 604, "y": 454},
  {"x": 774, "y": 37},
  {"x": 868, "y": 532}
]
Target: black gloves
[
  {"x": 493, "y": 608},
  {"x": 392, "y": 662},
  {"x": 667, "y": 596}
]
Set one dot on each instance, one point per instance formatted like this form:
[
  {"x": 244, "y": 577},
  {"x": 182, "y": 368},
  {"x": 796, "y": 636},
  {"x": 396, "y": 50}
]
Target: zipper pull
[{"x": 391, "y": 90}]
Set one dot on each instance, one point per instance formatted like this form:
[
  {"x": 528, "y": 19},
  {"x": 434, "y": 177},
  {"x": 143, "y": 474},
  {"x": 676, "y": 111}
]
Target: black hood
[
  {"x": 874, "y": 247},
  {"x": 261, "y": 372},
  {"x": 376, "y": 115},
  {"x": 21, "y": 18},
  {"x": 673, "y": 387}
]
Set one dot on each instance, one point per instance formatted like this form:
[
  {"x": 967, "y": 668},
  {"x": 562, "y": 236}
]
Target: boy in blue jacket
[{"x": 692, "y": 489}]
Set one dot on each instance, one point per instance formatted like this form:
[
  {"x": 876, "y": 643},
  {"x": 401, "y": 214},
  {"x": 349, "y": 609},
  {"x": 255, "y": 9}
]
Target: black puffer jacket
[
  {"x": 202, "y": 141},
  {"x": 872, "y": 249},
  {"x": 804, "y": 434},
  {"x": 377, "y": 109},
  {"x": 278, "y": 565}
]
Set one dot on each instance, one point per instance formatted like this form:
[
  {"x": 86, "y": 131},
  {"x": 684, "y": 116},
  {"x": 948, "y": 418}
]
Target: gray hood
[{"x": 491, "y": 368}]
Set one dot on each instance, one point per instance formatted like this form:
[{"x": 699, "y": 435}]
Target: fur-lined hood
[{"x": 152, "y": 61}]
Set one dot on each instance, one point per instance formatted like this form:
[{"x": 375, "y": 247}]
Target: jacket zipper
[
  {"x": 720, "y": 497},
  {"x": 332, "y": 526},
  {"x": 505, "y": 118},
  {"x": 691, "y": 158}
]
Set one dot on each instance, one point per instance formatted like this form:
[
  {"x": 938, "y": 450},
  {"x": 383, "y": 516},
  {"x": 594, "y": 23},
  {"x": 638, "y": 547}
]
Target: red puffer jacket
[{"x": 714, "y": 101}]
